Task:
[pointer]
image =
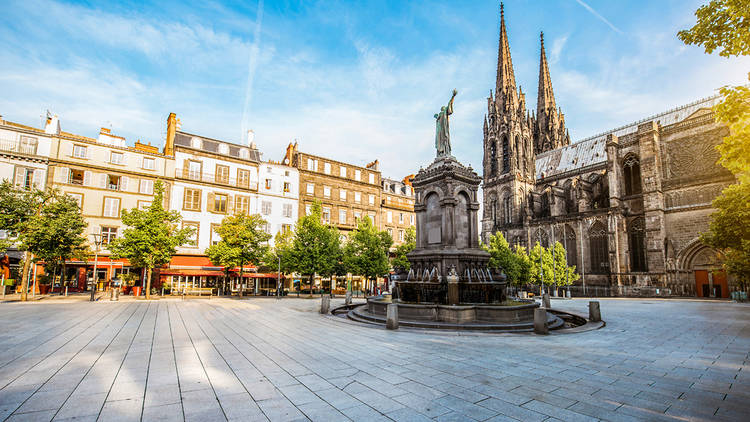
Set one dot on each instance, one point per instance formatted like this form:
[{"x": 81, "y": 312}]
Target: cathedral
[{"x": 629, "y": 204}]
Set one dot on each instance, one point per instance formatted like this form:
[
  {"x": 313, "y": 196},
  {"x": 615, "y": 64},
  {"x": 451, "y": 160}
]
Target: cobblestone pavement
[{"x": 263, "y": 359}]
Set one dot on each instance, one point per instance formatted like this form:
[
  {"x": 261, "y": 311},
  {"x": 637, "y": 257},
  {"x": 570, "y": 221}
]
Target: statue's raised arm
[{"x": 442, "y": 129}]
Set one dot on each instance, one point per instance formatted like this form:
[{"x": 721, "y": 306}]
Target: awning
[{"x": 199, "y": 272}]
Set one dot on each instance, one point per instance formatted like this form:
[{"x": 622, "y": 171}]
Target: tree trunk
[
  {"x": 25, "y": 275},
  {"x": 224, "y": 287},
  {"x": 148, "y": 284},
  {"x": 62, "y": 277},
  {"x": 312, "y": 276}
]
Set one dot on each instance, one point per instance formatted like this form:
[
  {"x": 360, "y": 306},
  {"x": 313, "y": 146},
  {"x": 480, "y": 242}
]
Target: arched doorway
[{"x": 710, "y": 279}]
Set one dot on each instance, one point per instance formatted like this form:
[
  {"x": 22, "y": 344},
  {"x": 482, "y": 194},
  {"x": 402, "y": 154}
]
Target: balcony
[
  {"x": 12, "y": 145},
  {"x": 220, "y": 180}
]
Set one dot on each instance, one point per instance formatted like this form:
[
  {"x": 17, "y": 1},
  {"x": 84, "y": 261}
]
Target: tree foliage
[
  {"x": 315, "y": 247},
  {"x": 400, "y": 261},
  {"x": 151, "y": 237},
  {"x": 723, "y": 25},
  {"x": 501, "y": 256},
  {"x": 564, "y": 275},
  {"x": 540, "y": 257},
  {"x": 366, "y": 251},
  {"x": 734, "y": 111}
]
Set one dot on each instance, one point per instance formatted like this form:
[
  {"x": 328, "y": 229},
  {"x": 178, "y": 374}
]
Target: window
[
  {"x": 287, "y": 187},
  {"x": 357, "y": 216},
  {"x": 108, "y": 234},
  {"x": 269, "y": 184},
  {"x": 390, "y": 232},
  {"x": 372, "y": 216},
  {"x": 28, "y": 145},
  {"x": 148, "y": 163},
  {"x": 286, "y": 228},
  {"x": 637, "y": 243},
  {"x": 327, "y": 168},
  {"x": 265, "y": 207},
  {"x": 357, "y": 175},
  {"x": 310, "y": 189},
  {"x": 371, "y": 199},
  {"x": 243, "y": 178},
  {"x": 116, "y": 158},
  {"x": 326, "y": 191},
  {"x": 79, "y": 151},
  {"x": 269, "y": 169},
  {"x": 357, "y": 197},
  {"x": 78, "y": 197},
  {"x": 267, "y": 227},
  {"x": 25, "y": 177},
  {"x": 193, "y": 239},
  {"x": 76, "y": 177},
  {"x": 195, "y": 168},
  {"x": 411, "y": 219},
  {"x": 142, "y": 205},
  {"x": 312, "y": 165},
  {"x": 326, "y": 215},
  {"x": 372, "y": 178},
  {"x": 147, "y": 187},
  {"x": 507, "y": 210},
  {"x": 342, "y": 216},
  {"x": 598, "y": 249},
  {"x": 506, "y": 156},
  {"x": 113, "y": 182},
  {"x": 541, "y": 237},
  {"x": 215, "y": 238},
  {"x": 241, "y": 205},
  {"x": 342, "y": 194},
  {"x": 632, "y": 175},
  {"x": 192, "y": 200},
  {"x": 111, "y": 207},
  {"x": 220, "y": 202},
  {"x": 342, "y": 171},
  {"x": 569, "y": 241},
  {"x": 287, "y": 210},
  {"x": 308, "y": 208},
  {"x": 493, "y": 159},
  {"x": 401, "y": 218},
  {"x": 389, "y": 216},
  {"x": 222, "y": 174},
  {"x": 400, "y": 235}
]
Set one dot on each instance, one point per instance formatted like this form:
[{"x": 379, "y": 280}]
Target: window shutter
[
  {"x": 185, "y": 167},
  {"x": 39, "y": 178},
  {"x": 230, "y": 205},
  {"x": 20, "y": 176},
  {"x": 63, "y": 174},
  {"x": 124, "y": 159},
  {"x": 70, "y": 150},
  {"x": 103, "y": 181},
  {"x": 87, "y": 178},
  {"x": 97, "y": 230},
  {"x": 124, "y": 183},
  {"x": 211, "y": 202},
  {"x": 186, "y": 199}
]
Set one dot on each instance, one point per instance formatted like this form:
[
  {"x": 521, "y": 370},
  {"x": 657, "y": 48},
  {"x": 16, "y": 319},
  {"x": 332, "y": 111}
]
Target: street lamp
[
  {"x": 278, "y": 281},
  {"x": 97, "y": 241}
]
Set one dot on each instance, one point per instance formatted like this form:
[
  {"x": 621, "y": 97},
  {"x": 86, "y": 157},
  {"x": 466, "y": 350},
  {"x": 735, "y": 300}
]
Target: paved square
[{"x": 264, "y": 359}]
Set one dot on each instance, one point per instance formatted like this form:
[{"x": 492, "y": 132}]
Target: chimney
[
  {"x": 53, "y": 125},
  {"x": 374, "y": 165},
  {"x": 171, "y": 129},
  {"x": 250, "y": 138}
]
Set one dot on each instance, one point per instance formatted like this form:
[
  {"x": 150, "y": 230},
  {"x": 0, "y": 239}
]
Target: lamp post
[
  {"x": 278, "y": 281},
  {"x": 541, "y": 262},
  {"x": 97, "y": 241}
]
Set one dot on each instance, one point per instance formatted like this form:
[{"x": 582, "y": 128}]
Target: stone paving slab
[{"x": 279, "y": 360}]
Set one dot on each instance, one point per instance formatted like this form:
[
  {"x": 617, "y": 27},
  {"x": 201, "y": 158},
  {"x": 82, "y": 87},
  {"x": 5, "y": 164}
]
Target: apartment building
[
  {"x": 106, "y": 177},
  {"x": 278, "y": 195},
  {"x": 347, "y": 192},
  {"x": 397, "y": 212}
]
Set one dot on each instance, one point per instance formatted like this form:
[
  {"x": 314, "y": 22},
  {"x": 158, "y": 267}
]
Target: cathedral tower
[
  {"x": 549, "y": 131},
  {"x": 508, "y": 162}
]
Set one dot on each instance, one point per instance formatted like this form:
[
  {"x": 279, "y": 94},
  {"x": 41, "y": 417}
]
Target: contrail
[
  {"x": 252, "y": 64},
  {"x": 601, "y": 18}
]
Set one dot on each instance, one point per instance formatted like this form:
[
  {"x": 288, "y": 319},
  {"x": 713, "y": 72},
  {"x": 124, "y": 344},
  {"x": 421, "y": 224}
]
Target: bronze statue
[{"x": 442, "y": 131}]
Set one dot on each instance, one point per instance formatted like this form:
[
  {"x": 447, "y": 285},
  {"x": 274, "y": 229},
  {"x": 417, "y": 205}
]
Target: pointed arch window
[
  {"x": 506, "y": 155},
  {"x": 493, "y": 158},
  {"x": 598, "y": 249},
  {"x": 631, "y": 169},
  {"x": 507, "y": 210},
  {"x": 569, "y": 239},
  {"x": 541, "y": 237},
  {"x": 637, "y": 243},
  {"x": 493, "y": 210}
]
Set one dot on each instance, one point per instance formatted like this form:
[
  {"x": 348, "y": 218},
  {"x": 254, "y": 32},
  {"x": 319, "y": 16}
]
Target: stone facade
[
  {"x": 397, "y": 212},
  {"x": 628, "y": 204}
]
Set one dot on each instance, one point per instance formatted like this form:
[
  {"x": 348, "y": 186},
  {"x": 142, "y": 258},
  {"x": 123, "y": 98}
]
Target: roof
[
  {"x": 592, "y": 151},
  {"x": 184, "y": 139}
]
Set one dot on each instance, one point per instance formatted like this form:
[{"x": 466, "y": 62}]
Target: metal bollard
[
  {"x": 540, "y": 321},
  {"x": 348, "y": 300},
  {"x": 117, "y": 294},
  {"x": 162, "y": 291},
  {"x": 545, "y": 301},
  {"x": 112, "y": 295},
  {"x": 391, "y": 318},
  {"x": 325, "y": 304},
  {"x": 595, "y": 314}
]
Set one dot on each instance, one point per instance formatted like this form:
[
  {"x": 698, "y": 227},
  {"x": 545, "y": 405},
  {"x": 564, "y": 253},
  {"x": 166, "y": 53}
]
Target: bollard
[
  {"x": 348, "y": 300},
  {"x": 391, "y": 317},
  {"x": 66, "y": 290},
  {"x": 117, "y": 294},
  {"x": 112, "y": 295},
  {"x": 595, "y": 314},
  {"x": 3, "y": 290},
  {"x": 545, "y": 301},
  {"x": 540, "y": 321},
  {"x": 162, "y": 291},
  {"x": 325, "y": 304},
  {"x": 567, "y": 294}
]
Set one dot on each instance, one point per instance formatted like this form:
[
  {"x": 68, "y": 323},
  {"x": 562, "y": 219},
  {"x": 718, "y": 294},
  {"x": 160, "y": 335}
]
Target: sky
[{"x": 351, "y": 80}]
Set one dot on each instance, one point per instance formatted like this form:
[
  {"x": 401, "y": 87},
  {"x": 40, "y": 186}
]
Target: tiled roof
[
  {"x": 212, "y": 145},
  {"x": 592, "y": 150}
]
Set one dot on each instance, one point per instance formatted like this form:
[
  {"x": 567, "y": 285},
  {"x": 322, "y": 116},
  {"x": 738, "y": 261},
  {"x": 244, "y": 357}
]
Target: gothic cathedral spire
[
  {"x": 505, "y": 87},
  {"x": 550, "y": 122}
]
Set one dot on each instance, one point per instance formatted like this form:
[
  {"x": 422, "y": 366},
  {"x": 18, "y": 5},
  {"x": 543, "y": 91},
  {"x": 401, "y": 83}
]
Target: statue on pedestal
[{"x": 442, "y": 131}]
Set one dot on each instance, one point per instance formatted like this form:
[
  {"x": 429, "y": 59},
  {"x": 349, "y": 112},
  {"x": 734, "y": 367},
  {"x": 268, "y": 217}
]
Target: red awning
[{"x": 200, "y": 272}]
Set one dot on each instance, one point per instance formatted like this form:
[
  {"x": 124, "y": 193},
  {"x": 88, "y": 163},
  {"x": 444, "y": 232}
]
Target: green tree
[
  {"x": 315, "y": 245},
  {"x": 524, "y": 265},
  {"x": 243, "y": 241},
  {"x": 55, "y": 234},
  {"x": 400, "y": 261},
  {"x": 501, "y": 256},
  {"x": 366, "y": 251},
  {"x": 151, "y": 237},
  {"x": 279, "y": 257},
  {"x": 725, "y": 25},
  {"x": 546, "y": 265},
  {"x": 564, "y": 274}
]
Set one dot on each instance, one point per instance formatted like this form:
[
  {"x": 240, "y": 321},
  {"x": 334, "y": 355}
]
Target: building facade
[
  {"x": 347, "y": 192},
  {"x": 278, "y": 197},
  {"x": 397, "y": 208},
  {"x": 629, "y": 204}
]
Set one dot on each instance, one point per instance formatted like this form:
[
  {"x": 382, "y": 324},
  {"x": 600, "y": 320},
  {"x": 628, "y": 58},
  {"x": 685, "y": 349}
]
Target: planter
[
  {"x": 126, "y": 289},
  {"x": 44, "y": 289},
  {"x": 137, "y": 290}
]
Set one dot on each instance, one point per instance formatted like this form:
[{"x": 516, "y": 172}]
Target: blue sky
[{"x": 352, "y": 80}]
